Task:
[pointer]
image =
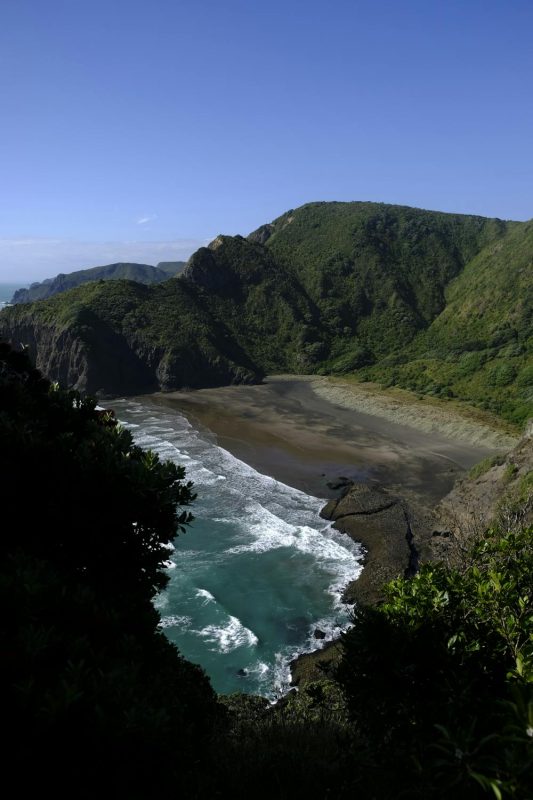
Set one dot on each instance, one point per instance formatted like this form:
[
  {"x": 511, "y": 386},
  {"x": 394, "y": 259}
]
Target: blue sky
[{"x": 139, "y": 131}]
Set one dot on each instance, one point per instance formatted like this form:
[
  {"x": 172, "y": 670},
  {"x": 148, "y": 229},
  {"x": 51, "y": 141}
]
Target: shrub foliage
[{"x": 94, "y": 695}]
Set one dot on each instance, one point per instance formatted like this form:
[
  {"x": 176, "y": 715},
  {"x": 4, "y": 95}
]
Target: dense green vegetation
[
  {"x": 441, "y": 304},
  {"x": 439, "y": 679},
  {"x": 95, "y": 700},
  {"x": 142, "y": 273},
  {"x": 376, "y": 272},
  {"x": 480, "y": 348}
]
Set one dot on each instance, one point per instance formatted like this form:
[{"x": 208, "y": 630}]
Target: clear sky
[{"x": 139, "y": 130}]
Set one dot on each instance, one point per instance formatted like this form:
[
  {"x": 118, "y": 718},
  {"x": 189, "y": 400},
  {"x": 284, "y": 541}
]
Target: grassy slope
[
  {"x": 376, "y": 272},
  {"x": 480, "y": 348}
]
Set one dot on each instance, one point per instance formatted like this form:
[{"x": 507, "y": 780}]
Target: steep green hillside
[
  {"x": 480, "y": 348},
  {"x": 439, "y": 303},
  {"x": 120, "y": 336},
  {"x": 376, "y": 272},
  {"x": 263, "y": 305},
  {"x": 230, "y": 317},
  {"x": 142, "y": 273}
]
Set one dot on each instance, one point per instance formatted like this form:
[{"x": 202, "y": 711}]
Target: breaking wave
[{"x": 257, "y": 573}]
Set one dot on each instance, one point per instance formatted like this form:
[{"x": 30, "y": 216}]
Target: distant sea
[
  {"x": 7, "y": 291},
  {"x": 256, "y": 574}
]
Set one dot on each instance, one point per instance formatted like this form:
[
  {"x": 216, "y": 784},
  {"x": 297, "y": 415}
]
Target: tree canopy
[{"x": 94, "y": 694}]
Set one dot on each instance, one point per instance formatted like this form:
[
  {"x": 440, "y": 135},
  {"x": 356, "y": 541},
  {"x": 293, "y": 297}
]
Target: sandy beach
[{"x": 309, "y": 431}]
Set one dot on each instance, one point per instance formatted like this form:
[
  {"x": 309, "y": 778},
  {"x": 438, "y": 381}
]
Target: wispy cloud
[
  {"x": 144, "y": 220},
  {"x": 33, "y": 259}
]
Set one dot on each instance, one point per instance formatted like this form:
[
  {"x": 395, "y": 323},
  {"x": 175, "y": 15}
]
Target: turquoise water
[{"x": 257, "y": 572}]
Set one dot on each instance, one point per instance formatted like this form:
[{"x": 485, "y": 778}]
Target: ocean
[
  {"x": 7, "y": 290},
  {"x": 256, "y": 574}
]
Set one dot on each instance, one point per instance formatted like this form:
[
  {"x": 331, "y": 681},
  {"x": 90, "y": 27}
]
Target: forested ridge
[
  {"x": 441, "y": 304},
  {"x": 142, "y": 273}
]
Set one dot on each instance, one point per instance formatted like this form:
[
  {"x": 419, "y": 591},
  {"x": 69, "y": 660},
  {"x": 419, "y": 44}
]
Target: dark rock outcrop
[
  {"x": 96, "y": 359},
  {"x": 394, "y": 534},
  {"x": 101, "y": 363},
  {"x": 398, "y": 535},
  {"x": 384, "y": 525},
  {"x": 262, "y": 234}
]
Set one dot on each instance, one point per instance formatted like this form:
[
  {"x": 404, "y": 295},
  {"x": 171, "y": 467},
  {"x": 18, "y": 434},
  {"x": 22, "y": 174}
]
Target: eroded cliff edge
[{"x": 399, "y": 535}]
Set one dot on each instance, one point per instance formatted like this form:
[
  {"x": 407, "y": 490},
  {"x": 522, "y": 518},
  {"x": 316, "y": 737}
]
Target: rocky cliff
[
  {"x": 497, "y": 491},
  {"x": 107, "y": 343}
]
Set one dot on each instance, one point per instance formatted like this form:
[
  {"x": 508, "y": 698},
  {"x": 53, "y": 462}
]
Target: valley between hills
[
  {"x": 421, "y": 319},
  {"x": 379, "y": 357},
  {"x": 438, "y": 304}
]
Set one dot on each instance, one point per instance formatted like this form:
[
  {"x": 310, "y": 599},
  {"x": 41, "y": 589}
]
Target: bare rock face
[
  {"x": 262, "y": 234},
  {"x": 392, "y": 532},
  {"x": 56, "y": 353},
  {"x": 499, "y": 490},
  {"x": 98, "y": 362},
  {"x": 358, "y": 499},
  {"x": 94, "y": 358}
]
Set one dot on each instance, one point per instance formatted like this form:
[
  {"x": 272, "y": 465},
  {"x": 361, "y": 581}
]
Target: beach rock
[
  {"x": 318, "y": 634},
  {"x": 392, "y": 532},
  {"x": 359, "y": 499},
  {"x": 316, "y": 666}
]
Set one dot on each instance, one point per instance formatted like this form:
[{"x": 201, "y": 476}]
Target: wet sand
[
  {"x": 287, "y": 429},
  {"x": 308, "y": 431}
]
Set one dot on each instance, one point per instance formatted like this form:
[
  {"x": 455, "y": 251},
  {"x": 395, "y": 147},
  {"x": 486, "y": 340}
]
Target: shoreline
[
  {"x": 308, "y": 432},
  {"x": 289, "y": 429}
]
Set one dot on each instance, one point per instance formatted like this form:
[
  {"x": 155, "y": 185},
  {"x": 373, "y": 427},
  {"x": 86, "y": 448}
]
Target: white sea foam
[
  {"x": 175, "y": 621},
  {"x": 161, "y": 601},
  {"x": 230, "y": 636},
  {"x": 206, "y": 596},
  {"x": 268, "y": 532},
  {"x": 257, "y": 515},
  {"x": 260, "y": 669},
  {"x": 188, "y": 554}
]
